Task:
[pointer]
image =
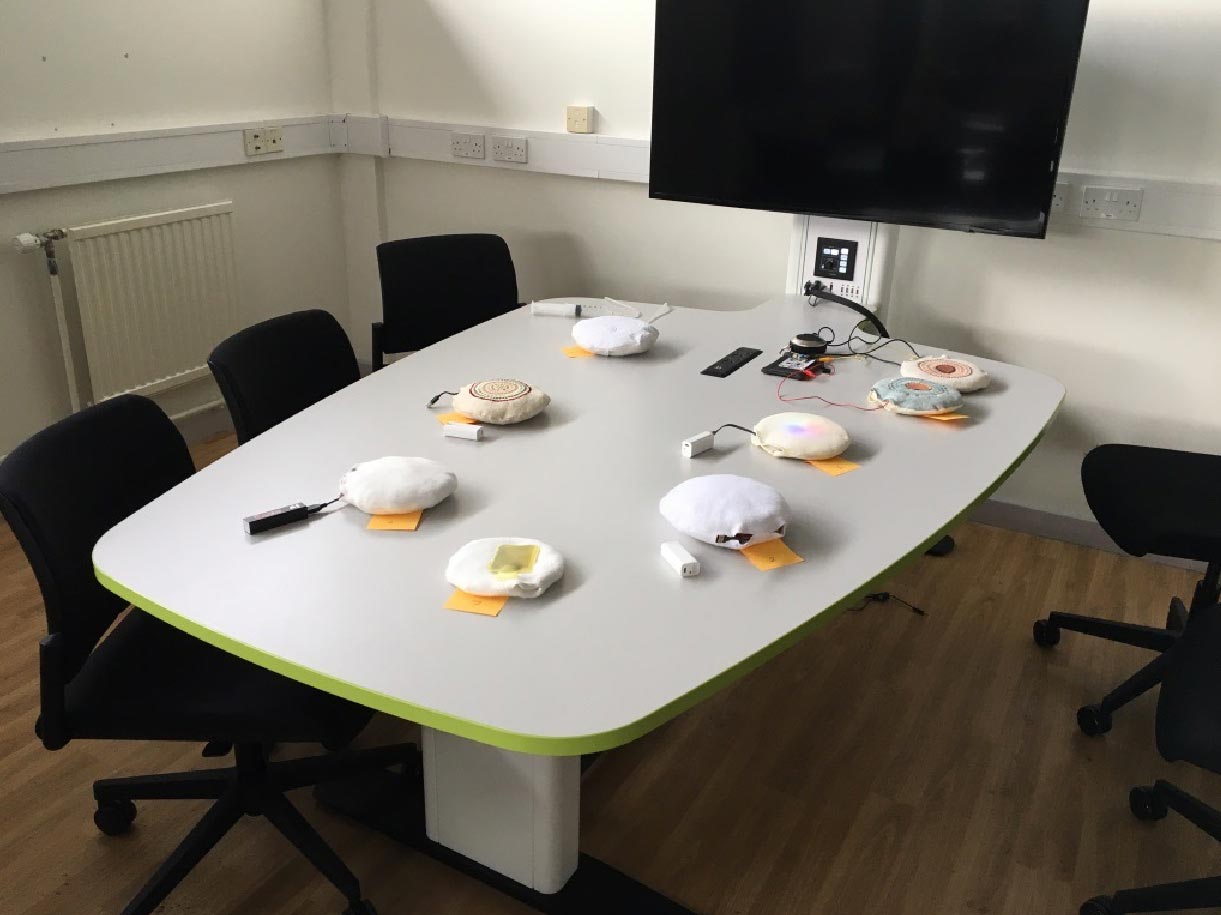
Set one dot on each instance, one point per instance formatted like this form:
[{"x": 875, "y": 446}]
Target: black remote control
[{"x": 727, "y": 365}]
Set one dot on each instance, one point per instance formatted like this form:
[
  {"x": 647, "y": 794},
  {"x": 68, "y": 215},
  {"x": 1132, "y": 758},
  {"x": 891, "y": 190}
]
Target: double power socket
[{"x": 504, "y": 149}]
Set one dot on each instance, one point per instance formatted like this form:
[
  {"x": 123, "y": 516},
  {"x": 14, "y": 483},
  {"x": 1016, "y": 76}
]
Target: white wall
[
  {"x": 1148, "y": 94},
  {"x": 579, "y": 236},
  {"x": 187, "y": 63},
  {"x": 84, "y": 66},
  {"x": 518, "y": 64}
]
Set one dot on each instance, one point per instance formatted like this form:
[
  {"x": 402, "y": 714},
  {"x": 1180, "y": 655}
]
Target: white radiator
[{"x": 155, "y": 294}]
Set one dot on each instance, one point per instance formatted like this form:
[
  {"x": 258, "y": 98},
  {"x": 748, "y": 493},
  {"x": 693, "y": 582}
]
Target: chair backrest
[
  {"x": 276, "y": 368},
  {"x": 62, "y": 489},
  {"x": 438, "y": 286},
  {"x": 1189, "y": 704}
]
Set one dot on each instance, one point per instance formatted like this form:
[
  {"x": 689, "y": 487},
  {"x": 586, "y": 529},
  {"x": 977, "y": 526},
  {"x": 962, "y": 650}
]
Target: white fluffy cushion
[
  {"x": 397, "y": 485},
  {"x": 804, "y": 436},
  {"x": 614, "y": 335},
  {"x": 722, "y": 505},
  {"x": 468, "y": 569},
  {"x": 500, "y": 401},
  {"x": 956, "y": 373}
]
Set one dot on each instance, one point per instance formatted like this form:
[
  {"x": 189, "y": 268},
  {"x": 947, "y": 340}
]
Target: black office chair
[
  {"x": 1149, "y": 500},
  {"x": 60, "y": 491},
  {"x": 276, "y": 368},
  {"x": 1188, "y": 729},
  {"x": 437, "y": 286}
]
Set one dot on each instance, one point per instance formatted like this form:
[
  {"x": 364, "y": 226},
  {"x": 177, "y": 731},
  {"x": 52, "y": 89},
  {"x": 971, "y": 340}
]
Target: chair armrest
[{"x": 52, "y": 726}]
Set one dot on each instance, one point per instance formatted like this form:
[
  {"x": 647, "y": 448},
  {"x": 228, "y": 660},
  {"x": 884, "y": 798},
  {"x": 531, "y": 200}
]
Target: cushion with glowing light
[
  {"x": 726, "y": 510},
  {"x": 397, "y": 485},
  {"x": 956, "y": 373},
  {"x": 500, "y": 401},
  {"x": 614, "y": 335},
  {"x": 804, "y": 436},
  {"x": 513, "y": 566},
  {"x": 911, "y": 395}
]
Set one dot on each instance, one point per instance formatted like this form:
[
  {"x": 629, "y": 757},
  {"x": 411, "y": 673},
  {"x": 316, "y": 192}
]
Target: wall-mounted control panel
[{"x": 835, "y": 259}]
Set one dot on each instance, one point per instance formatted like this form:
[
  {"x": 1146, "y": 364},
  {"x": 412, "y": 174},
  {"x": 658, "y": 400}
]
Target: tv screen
[{"x": 946, "y": 113}]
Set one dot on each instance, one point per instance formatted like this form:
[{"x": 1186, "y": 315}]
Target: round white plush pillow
[
  {"x": 500, "y": 401},
  {"x": 468, "y": 569},
  {"x": 726, "y": 510},
  {"x": 614, "y": 335},
  {"x": 397, "y": 485},
  {"x": 804, "y": 436},
  {"x": 956, "y": 373}
]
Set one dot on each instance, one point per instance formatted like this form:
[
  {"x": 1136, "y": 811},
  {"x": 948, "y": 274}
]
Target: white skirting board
[
  {"x": 1170, "y": 207},
  {"x": 1060, "y": 527}
]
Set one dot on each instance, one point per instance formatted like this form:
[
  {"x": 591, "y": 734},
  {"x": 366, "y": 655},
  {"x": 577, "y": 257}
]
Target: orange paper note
[
  {"x": 945, "y": 417},
  {"x": 770, "y": 555},
  {"x": 576, "y": 352},
  {"x": 444, "y": 418},
  {"x": 474, "y": 603},
  {"x": 407, "y": 522},
  {"x": 834, "y": 466}
]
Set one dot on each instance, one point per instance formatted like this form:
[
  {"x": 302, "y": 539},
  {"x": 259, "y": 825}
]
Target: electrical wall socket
[
  {"x": 466, "y": 145},
  {"x": 844, "y": 288},
  {"x": 580, "y": 119},
  {"x": 509, "y": 149},
  {"x": 1111, "y": 202},
  {"x": 1059, "y": 199},
  {"x": 259, "y": 141}
]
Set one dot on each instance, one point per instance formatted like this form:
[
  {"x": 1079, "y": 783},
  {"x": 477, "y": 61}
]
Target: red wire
[{"x": 830, "y": 403}]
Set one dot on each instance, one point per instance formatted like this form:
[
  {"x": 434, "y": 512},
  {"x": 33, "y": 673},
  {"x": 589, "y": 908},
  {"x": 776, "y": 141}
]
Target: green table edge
[{"x": 532, "y": 743}]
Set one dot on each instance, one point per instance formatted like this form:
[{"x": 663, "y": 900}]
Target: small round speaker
[{"x": 808, "y": 345}]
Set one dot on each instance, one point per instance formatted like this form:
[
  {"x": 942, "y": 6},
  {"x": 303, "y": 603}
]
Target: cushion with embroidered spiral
[
  {"x": 914, "y": 396},
  {"x": 500, "y": 401},
  {"x": 956, "y": 373}
]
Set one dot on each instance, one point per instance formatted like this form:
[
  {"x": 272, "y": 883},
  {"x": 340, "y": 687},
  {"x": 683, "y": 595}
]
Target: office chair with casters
[
  {"x": 1188, "y": 729},
  {"x": 438, "y": 286},
  {"x": 278, "y": 367},
  {"x": 109, "y": 676},
  {"x": 1148, "y": 500}
]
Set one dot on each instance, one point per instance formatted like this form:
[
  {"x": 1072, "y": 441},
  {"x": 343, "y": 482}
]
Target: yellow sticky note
[
  {"x": 576, "y": 352},
  {"x": 407, "y": 522},
  {"x": 474, "y": 603},
  {"x": 444, "y": 418},
  {"x": 770, "y": 555},
  {"x": 945, "y": 417},
  {"x": 834, "y": 466}
]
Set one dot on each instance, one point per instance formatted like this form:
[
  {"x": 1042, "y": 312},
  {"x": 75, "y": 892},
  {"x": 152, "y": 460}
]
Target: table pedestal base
[{"x": 393, "y": 805}]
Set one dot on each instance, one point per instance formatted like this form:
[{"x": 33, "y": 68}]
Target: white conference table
[{"x": 621, "y": 644}]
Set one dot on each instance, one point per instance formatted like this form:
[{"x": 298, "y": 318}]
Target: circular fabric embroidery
[
  {"x": 499, "y": 390},
  {"x": 911, "y": 395},
  {"x": 957, "y": 373}
]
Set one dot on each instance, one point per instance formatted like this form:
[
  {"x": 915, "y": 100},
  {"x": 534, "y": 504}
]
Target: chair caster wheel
[
  {"x": 1099, "y": 905},
  {"x": 1176, "y": 616},
  {"x": 1093, "y": 721},
  {"x": 1045, "y": 634},
  {"x": 1146, "y": 804},
  {"x": 114, "y": 818},
  {"x": 364, "y": 907}
]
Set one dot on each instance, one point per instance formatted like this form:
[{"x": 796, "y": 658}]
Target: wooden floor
[{"x": 888, "y": 764}]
